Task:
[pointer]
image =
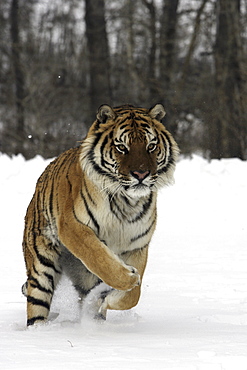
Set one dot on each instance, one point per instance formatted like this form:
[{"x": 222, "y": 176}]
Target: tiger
[{"x": 93, "y": 212}]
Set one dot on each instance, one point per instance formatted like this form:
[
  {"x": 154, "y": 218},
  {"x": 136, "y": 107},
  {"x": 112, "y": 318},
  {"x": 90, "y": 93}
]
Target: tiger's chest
[{"x": 122, "y": 224}]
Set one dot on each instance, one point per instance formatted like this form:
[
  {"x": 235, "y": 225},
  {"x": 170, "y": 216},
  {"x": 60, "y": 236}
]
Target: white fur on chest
[{"x": 126, "y": 233}]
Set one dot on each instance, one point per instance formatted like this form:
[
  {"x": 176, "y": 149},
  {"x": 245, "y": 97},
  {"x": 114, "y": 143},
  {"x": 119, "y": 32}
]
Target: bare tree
[
  {"x": 18, "y": 74},
  {"x": 152, "y": 56},
  {"x": 168, "y": 33},
  {"x": 191, "y": 48},
  {"x": 229, "y": 132},
  {"x": 98, "y": 49},
  {"x": 167, "y": 42}
]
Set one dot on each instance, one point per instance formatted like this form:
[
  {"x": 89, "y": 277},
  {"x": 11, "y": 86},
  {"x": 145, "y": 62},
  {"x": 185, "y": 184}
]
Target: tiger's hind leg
[
  {"x": 43, "y": 273},
  {"x": 82, "y": 279}
]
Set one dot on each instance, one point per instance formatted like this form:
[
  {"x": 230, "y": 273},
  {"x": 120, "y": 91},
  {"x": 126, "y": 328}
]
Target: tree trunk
[
  {"x": 130, "y": 46},
  {"x": 166, "y": 61},
  {"x": 152, "y": 82},
  {"x": 167, "y": 41},
  {"x": 100, "y": 92},
  {"x": 18, "y": 74},
  {"x": 231, "y": 121},
  {"x": 189, "y": 54}
]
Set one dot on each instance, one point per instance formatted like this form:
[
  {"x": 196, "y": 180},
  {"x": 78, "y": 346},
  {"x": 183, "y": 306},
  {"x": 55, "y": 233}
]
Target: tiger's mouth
[
  {"x": 137, "y": 186},
  {"x": 138, "y": 190}
]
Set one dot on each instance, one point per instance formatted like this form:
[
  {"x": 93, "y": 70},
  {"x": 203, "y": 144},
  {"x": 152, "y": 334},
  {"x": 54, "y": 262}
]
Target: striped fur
[{"x": 93, "y": 212}]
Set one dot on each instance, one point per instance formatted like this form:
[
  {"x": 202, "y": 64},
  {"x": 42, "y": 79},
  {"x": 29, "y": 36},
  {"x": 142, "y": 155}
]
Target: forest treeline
[{"x": 61, "y": 59}]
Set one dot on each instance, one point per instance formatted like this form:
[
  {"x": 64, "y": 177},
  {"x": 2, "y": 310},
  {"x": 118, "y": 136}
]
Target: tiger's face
[{"x": 129, "y": 151}]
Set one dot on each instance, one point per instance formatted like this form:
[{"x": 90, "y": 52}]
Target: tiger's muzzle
[{"x": 140, "y": 175}]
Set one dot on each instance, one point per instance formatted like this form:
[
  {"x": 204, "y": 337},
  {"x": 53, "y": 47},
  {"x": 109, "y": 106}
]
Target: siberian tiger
[{"x": 93, "y": 212}]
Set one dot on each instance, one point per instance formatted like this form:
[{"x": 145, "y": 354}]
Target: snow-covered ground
[{"x": 193, "y": 310}]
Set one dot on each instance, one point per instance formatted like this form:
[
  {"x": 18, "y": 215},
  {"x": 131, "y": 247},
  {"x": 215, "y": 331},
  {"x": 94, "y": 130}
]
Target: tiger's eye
[
  {"x": 122, "y": 148},
  {"x": 151, "y": 147}
]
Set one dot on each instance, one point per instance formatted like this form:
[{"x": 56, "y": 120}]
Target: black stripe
[
  {"x": 77, "y": 219},
  {"x": 41, "y": 288},
  {"x": 36, "y": 218},
  {"x": 97, "y": 137},
  {"x": 91, "y": 155},
  {"x": 170, "y": 159},
  {"x": 102, "y": 148},
  {"x": 145, "y": 126},
  {"x": 88, "y": 194},
  {"x": 167, "y": 166},
  {"x": 134, "y": 250},
  {"x": 123, "y": 125},
  {"x": 42, "y": 185},
  {"x": 118, "y": 207},
  {"x": 112, "y": 203},
  {"x": 37, "y": 285},
  {"x": 45, "y": 261},
  {"x": 142, "y": 118},
  {"x": 165, "y": 137},
  {"x": 38, "y": 302},
  {"x": 51, "y": 197},
  {"x": 53, "y": 174},
  {"x": 90, "y": 213},
  {"x": 126, "y": 119},
  {"x": 105, "y": 164},
  {"x": 118, "y": 211},
  {"x": 145, "y": 209},
  {"x": 34, "y": 319},
  {"x": 35, "y": 270},
  {"x": 124, "y": 133},
  {"x": 100, "y": 170},
  {"x": 68, "y": 170},
  {"x": 56, "y": 248},
  {"x": 143, "y": 234},
  {"x": 51, "y": 279},
  {"x": 126, "y": 200},
  {"x": 69, "y": 182}
]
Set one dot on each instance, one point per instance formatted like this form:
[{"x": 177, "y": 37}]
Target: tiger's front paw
[
  {"x": 135, "y": 277},
  {"x": 130, "y": 278}
]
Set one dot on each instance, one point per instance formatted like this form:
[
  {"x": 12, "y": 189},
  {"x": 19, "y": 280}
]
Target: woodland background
[{"x": 61, "y": 59}]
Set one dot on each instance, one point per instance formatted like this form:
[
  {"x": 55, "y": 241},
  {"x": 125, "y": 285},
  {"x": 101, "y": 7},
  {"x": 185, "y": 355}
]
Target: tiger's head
[{"x": 129, "y": 151}]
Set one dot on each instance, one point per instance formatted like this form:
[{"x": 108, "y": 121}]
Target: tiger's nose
[{"x": 140, "y": 175}]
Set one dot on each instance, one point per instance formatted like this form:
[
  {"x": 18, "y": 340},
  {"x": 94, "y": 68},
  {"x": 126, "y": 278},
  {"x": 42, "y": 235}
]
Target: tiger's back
[{"x": 93, "y": 212}]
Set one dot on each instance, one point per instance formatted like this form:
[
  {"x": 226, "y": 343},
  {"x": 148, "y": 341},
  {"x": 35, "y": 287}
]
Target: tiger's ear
[
  {"x": 157, "y": 112},
  {"x": 105, "y": 112}
]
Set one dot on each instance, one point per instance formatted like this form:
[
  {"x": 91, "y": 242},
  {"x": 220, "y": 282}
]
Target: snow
[{"x": 193, "y": 309}]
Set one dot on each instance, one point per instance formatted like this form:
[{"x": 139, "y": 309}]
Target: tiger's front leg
[
  {"x": 83, "y": 243},
  {"x": 124, "y": 300}
]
